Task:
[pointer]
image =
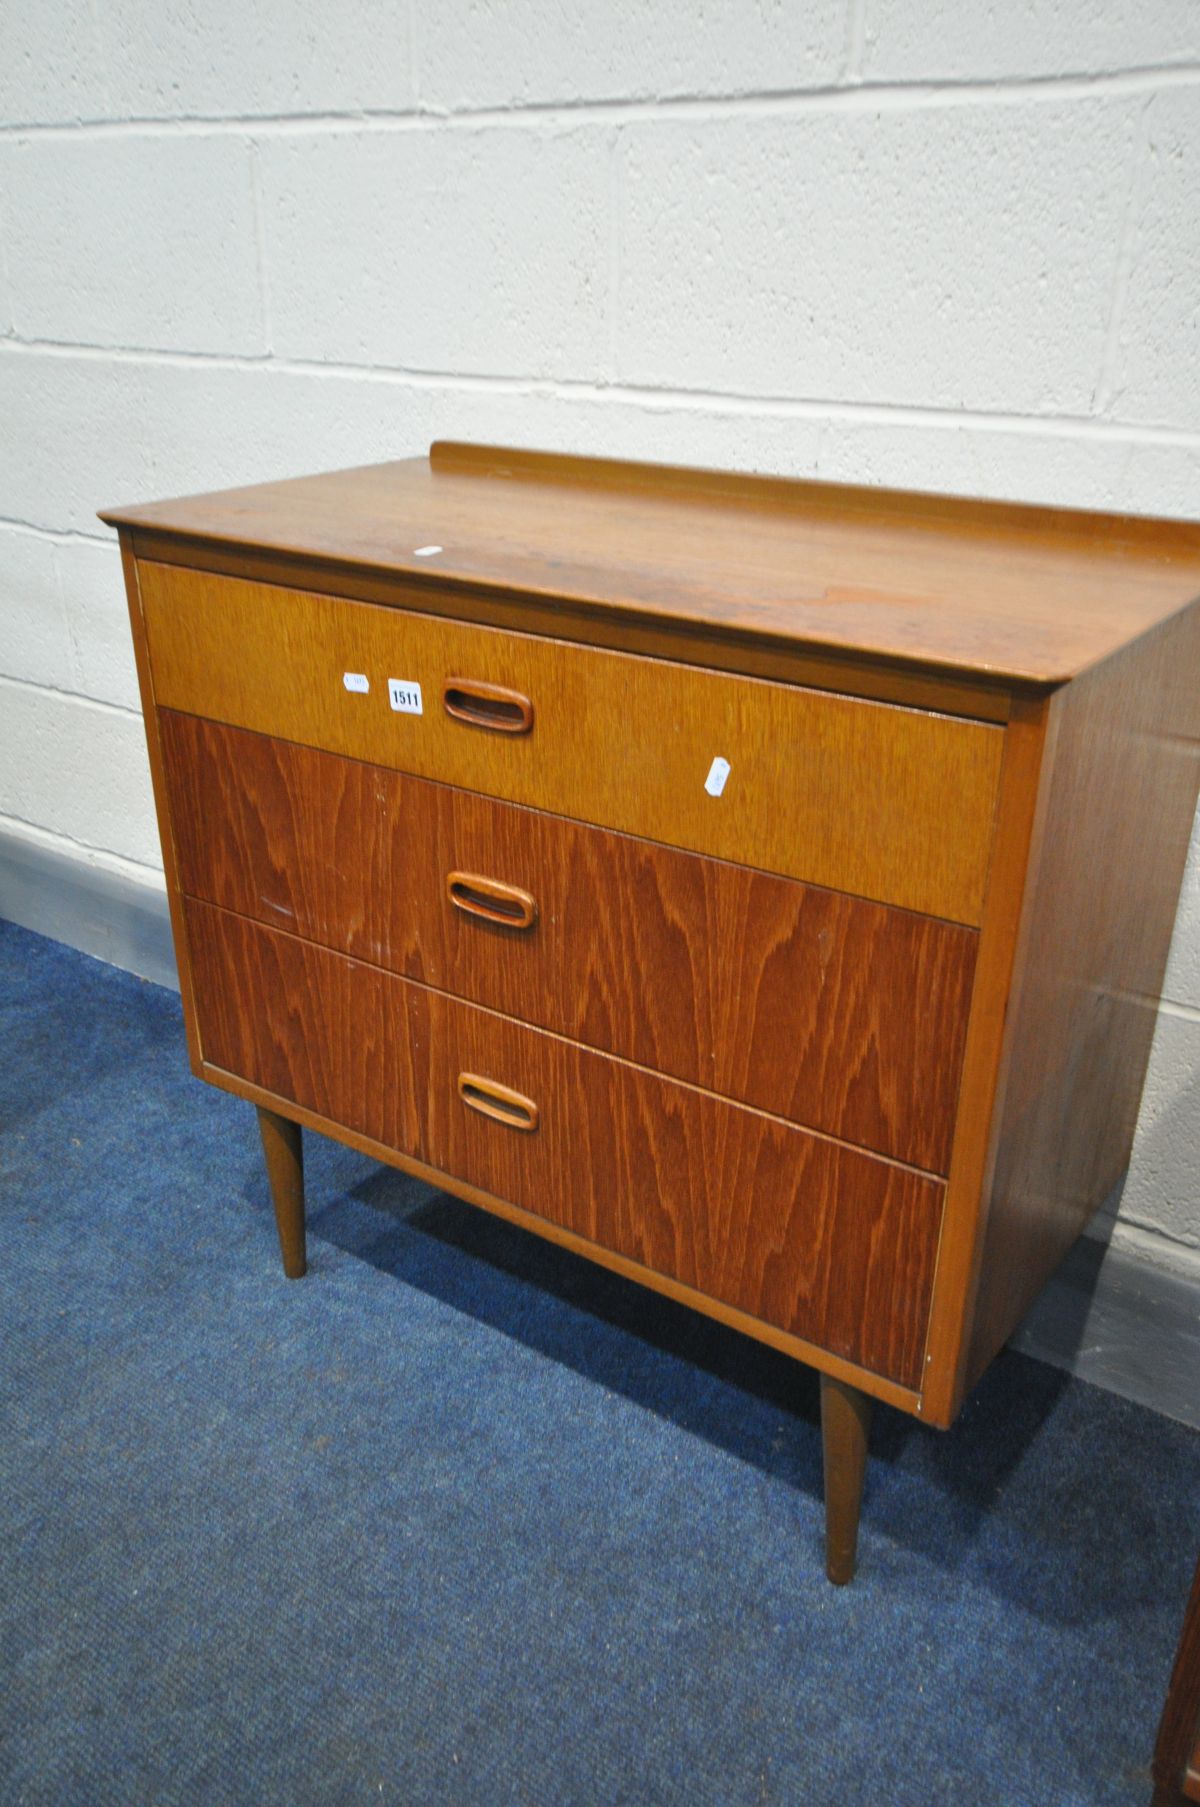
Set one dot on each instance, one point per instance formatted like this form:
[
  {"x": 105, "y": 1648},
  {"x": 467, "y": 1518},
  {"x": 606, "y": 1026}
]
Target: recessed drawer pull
[
  {"x": 498, "y": 1101},
  {"x": 487, "y": 706},
  {"x": 491, "y": 900}
]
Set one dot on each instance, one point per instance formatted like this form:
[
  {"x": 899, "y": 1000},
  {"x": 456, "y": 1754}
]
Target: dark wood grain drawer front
[
  {"x": 844, "y": 1015},
  {"x": 889, "y": 803},
  {"x": 819, "y": 1239}
]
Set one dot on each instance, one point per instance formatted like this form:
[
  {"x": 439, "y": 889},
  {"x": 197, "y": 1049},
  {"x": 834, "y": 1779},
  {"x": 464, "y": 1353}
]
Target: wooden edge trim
[
  {"x": 145, "y": 676},
  {"x": 462, "y": 458},
  {"x": 628, "y": 629},
  {"x": 890, "y": 1391},
  {"x": 1176, "y": 1763},
  {"x": 1020, "y": 813},
  {"x": 458, "y": 457}
]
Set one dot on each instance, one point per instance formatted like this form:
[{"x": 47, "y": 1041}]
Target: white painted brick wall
[
  {"x": 36, "y": 643},
  {"x": 483, "y": 252},
  {"x": 976, "y": 40},
  {"x": 78, "y": 765},
  {"x": 940, "y": 243},
  {"x": 966, "y": 253},
  {"x": 133, "y": 240},
  {"x": 512, "y": 53},
  {"x": 196, "y": 59},
  {"x": 1160, "y": 289}
]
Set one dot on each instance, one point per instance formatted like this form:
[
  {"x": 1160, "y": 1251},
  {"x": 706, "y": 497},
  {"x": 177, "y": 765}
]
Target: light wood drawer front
[
  {"x": 884, "y": 802},
  {"x": 821, "y": 1240},
  {"x": 841, "y": 1014}
]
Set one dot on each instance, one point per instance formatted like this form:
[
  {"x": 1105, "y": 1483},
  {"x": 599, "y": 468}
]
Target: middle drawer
[{"x": 843, "y": 1015}]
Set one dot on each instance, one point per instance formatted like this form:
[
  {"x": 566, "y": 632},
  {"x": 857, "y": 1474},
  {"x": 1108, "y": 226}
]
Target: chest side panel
[{"x": 1120, "y": 789}]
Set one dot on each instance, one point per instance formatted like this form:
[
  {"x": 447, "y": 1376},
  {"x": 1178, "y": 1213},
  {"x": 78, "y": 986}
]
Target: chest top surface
[{"x": 1025, "y": 595}]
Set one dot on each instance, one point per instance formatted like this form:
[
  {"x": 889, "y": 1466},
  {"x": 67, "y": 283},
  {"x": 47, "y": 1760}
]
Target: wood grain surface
[
  {"x": 844, "y": 1015},
  {"x": 162, "y": 808},
  {"x": 826, "y": 1242},
  {"x": 1119, "y": 800},
  {"x": 888, "y": 803},
  {"x": 1034, "y": 595},
  {"x": 976, "y": 694},
  {"x": 777, "y": 968},
  {"x": 1177, "y": 1747},
  {"x": 876, "y": 1385},
  {"x": 283, "y": 1153},
  {"x": 1019, "y": 814},
  {"x": 845, "y": 1429}
]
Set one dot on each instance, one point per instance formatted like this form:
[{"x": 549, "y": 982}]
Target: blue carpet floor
[{"x": 461, "y": 1519}]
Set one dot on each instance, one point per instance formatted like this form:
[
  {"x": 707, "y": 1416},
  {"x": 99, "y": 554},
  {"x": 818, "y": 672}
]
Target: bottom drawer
[{"x": 810, "y": 1235}]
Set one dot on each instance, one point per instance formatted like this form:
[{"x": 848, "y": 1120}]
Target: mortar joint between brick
[
  {"x": 1105, "y": 390},
  {"x": 71, "y": 696},
  {"x": 414, "y": 55},
  {"x": 733, "y": 403},
  {"x": 862, "y": 97},
  {"x": 616, "y": 246},
  {"x": 13, "y": 524},
  {"x": 101, "y": 53},
  {"x": 1178, "y": 1008},
  {"x": 260, "y": 247},
  {"x": 68, "y": 624},
  {"x": 818, "y": 456},
  {"x": 852, "y": 56},
  {"x": 9, "y": 293}
]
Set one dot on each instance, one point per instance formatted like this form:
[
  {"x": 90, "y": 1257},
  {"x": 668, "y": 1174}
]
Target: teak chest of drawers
[{"x": 761, "y": 887}]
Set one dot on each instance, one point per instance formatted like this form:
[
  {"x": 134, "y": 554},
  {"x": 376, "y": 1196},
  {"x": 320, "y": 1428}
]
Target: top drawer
[{"x": 886, "y": 802}]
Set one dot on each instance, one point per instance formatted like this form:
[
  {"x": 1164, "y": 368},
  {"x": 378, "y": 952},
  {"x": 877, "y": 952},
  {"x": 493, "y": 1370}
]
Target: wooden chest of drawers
[
  {"x": 1177, "y": 1748},
  {"x": 761, "y": 887}
]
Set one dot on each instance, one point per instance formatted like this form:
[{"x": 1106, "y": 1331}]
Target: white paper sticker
[
  {"x": 426, "y": 551},
  {"x": 404, "y": 694},
  {"x": 356, "y": 680},
  {"x": 718, "y": 772}
]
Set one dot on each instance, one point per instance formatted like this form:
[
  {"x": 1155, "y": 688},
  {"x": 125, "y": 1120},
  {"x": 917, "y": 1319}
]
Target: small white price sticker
[
  {"x": 404, "y": 694},
  {"x": 357, "y": 681},
  {"x": 718, "y": 772}
]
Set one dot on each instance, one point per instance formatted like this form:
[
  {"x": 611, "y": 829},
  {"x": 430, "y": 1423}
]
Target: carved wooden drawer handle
[
  {"x": 498, "y": 1101},
  {"x": 487, "y": 706},
  {"x": 491, "y": 900}
]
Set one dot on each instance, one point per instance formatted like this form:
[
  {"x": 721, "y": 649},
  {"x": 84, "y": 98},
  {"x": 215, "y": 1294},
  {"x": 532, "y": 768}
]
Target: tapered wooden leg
[
  {"x": 284, "y": 1153},
  {"x": 845, "y": 1423}
]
